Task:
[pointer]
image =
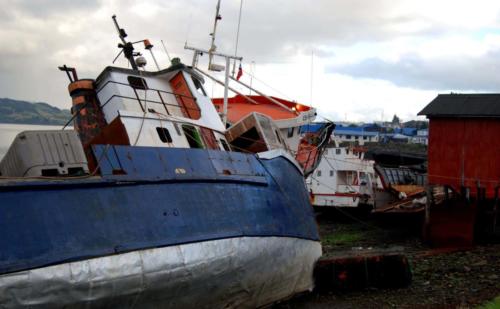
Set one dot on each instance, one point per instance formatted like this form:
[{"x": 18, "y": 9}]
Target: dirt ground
[{"x": 444, "y": 278}]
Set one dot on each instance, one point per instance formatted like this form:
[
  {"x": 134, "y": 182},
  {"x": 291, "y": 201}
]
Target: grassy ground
[
  {"x": 494, "y": 304},
  {"x": 441, "y": 278}
]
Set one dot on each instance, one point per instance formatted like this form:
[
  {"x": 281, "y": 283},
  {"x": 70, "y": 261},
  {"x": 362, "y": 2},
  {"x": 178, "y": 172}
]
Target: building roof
[
  {"x": 314, "y": 127},
  {"x": 464, "y": 105},
  {"x": 353, "y": 131}
]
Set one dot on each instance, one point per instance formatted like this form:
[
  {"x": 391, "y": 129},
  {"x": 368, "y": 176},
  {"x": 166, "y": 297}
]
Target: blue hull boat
[{"x": 153, "y": 202}]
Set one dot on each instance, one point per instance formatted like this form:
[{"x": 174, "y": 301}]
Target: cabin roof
[{"x": 464, "y": 105}]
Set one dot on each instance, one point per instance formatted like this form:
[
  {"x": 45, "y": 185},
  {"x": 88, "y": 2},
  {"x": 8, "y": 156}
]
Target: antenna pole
[
  {"x": 312, "y": 76},
  {"x": 213, "y": 48},
  {"x": 226, "y": 88},
  {"x": 166, "y": 51},
  {"x": 237, "y": 37},
  {"x": 128, "y": 48}
]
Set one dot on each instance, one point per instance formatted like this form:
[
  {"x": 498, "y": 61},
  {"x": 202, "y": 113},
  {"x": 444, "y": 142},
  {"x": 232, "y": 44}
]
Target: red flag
[{"x": 240, "y": 72}]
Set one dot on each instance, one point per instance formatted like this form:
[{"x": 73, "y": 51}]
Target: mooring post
[{"x": 427, "y": 218}]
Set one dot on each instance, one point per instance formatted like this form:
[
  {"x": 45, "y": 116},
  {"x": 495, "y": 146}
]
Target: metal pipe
[
  {"x": 237, "y": 37},
  {"x": 262, "y": 94},
  {"x": 195, "y": 59},
  {"x": 199, "y": 50},
  {"x": 230, "y": 88},
  {"x": 212, "y": 46},
  {"x": 121, "y": 33},
  {"x": 154, "y": 59},
  {"x": 226, "y": 88},
  {"x": 166, "y": 51}
]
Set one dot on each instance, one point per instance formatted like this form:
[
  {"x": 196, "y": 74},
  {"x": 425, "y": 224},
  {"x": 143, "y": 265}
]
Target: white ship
[{"x": 344, "y": 178}]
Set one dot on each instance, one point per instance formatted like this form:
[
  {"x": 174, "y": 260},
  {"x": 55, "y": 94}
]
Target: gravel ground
[{"x": 450, "y": 278}]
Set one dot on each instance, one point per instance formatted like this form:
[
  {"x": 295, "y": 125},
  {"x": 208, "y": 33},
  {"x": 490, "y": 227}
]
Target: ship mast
[
  {"x": 127, "y": 47},
  {"x": 213, "y": 66},
  {"x": 213, "y": 48}
]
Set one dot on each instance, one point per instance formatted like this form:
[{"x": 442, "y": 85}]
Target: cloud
[
  {"x": 354, "y": 37},
  {"x": 46, "y": 8},
  {"x": 458, "y": 73}
]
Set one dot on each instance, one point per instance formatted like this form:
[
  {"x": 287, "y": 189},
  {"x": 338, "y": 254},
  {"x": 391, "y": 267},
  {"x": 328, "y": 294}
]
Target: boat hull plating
[
  {"x": 163, "y": 205},
  {"x": 237, "y": 272}
]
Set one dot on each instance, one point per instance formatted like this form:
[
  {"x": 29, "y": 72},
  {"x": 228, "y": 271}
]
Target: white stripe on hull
[{"x": 238, "y": 272}]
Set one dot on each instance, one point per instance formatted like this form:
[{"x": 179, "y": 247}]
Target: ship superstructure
[{"x": 147, "y": 203}]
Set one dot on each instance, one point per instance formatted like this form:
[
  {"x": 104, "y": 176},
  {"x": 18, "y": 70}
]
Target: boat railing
[
  {"x": 162, "y": 99},
  {"x": 348, "y": 188}
]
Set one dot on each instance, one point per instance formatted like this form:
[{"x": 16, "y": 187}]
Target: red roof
[{"x": 239, "y": 107}]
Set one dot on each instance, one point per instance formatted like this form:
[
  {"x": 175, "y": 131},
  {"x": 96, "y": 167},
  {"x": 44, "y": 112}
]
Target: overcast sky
[{"x": 367, "y": 60}]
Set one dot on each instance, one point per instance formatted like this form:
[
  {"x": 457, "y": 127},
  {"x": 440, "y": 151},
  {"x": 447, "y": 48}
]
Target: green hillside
[{"x": 15, "y": 111}]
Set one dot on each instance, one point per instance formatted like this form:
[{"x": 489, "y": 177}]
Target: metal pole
[
  {"x": 212, "y": 46},
  {"x": 154, "y": 59},
  {"x": 166, "y": 52},
  {"x": 237, "y": 37},
  {"x": 252, "y": 69},
  {"x": 427, "y": 215},
  {"x": 195, "y": 59},
  {"x": 226, "y": 88}
]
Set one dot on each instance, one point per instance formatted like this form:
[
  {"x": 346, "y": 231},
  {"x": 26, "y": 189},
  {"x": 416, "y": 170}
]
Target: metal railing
[{"x": 187, "y": 111}]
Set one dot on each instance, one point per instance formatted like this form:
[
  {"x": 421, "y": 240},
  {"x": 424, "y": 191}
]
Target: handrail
[
  {"x": 158, "y": 90},
  {"x": 147, "y": 101},
  {"x": 186, "y": 110}
]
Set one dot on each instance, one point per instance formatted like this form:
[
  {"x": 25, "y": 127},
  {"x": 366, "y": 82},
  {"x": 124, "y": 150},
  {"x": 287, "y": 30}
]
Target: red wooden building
[
  {"x": 464, "y": 155},
  {"x": 464, "y": 142}
]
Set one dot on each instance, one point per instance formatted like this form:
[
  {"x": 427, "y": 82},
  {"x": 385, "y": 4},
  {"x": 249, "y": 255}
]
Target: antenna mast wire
[
  {"x": 237, "y": 37},
  {"x": 166, "y": 51}
]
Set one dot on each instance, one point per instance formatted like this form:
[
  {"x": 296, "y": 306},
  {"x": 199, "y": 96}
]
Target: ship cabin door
[{"x": 184, "y": 97}]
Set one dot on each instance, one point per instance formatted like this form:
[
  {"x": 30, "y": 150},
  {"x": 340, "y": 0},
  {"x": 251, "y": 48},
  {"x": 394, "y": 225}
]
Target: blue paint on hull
[{"x": 161, "y": 197}]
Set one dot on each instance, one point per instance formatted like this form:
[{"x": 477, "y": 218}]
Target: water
[{"x": 9, "y": 131}]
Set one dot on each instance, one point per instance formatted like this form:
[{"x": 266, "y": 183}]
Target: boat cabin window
[
  {"x": 193, "y": 137},
  {"x": 352, "y": 178},
  {"x": 164, "y": 135},
  {"x": 337, "y": 151},
  {"x": 346, "y": 151},
  {"x": 199, "y": 86},
  {"x": 137, "y": 82},
  {"x": 224, "y": 145},
  {"x": 278, "y": 136},
  {"x": 348, "y": 137},
  {"x": 290, "y": 131},
  {"x": 319, "y": 173},
  {"x": 331, "y": 173}
]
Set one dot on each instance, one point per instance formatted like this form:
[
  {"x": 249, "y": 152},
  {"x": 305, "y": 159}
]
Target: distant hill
[
  {"x": 15, "y": 111},
  {"x": 419, "y": 124}
]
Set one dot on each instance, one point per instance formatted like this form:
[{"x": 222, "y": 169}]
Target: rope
[
  {"x": 266, "y": 84},
  {"x": 460, "y": 178},
  {"x": 145, "y": 109}
]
